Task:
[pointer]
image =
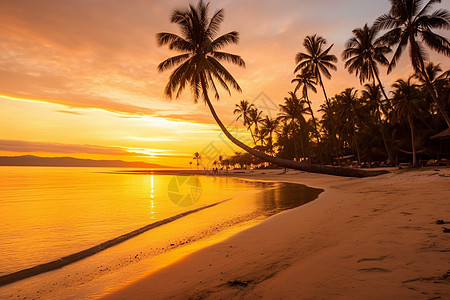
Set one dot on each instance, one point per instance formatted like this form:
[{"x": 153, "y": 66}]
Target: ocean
[{"x": 51, "y": 212}]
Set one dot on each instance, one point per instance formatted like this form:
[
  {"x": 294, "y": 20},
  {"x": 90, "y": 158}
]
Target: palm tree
[
  {"x": 197, "y": 157},
  {"x": 410, "y": 24},
  {"x": 199, "y": 66},
  {"x": 372, "y": 94},
  {"x": 255, "y": 117},
  {"x": 243, "y": 110},
  {"x": 319, "y": 62},
  {"x": 407, "y": 104},
  {"x": 316, "y": 59},
  {"x": 292, "y": 113},
  {"x": 363, "y": 52},
  {"x": 349, "y": 114},
  {"x": 306, "y": 80},
  {"x": 437, "y": 78},
  {"x": 269, "y": 125}
]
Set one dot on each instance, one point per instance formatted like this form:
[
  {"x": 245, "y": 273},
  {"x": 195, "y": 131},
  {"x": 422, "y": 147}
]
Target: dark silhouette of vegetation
[
  {"x": 346, "y": 129},
  {"x": 200, "y": 67},
  {"x": 411, "y": 25}
]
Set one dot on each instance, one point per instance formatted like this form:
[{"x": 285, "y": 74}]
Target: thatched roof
[{"x": 443, "y": 135}]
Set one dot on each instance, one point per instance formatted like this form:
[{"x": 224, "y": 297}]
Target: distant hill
[{"x": 31, "y": 160}]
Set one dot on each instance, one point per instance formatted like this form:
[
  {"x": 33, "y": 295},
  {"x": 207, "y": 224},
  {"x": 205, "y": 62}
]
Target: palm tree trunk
[
  {"x": 333, "y": 125},
  {"x": 286, "y": 163},
  {"x": 383, "y": 135},
  {"x": 315, "y": 126},
  {"x": 413, "y": 142},
  {"x": 302, "y": 144},
  {"x": 381, "y": 126},
  {"x": 356, "y": 145},
  {"x": 313, "y": 119},
  {"x": 323, "y": 89},
  {"x": 251, "y": 132},
  {"x": 381, "y": 87},
  {"x": 293, "y": 139}
]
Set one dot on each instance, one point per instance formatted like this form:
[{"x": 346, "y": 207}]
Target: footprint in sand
[
  {"x": 375, "y": 270},
  {"x": 373, "y": 259}
]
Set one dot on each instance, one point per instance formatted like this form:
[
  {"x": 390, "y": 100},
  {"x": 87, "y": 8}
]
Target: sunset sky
[{"x": 78, "y": 77}]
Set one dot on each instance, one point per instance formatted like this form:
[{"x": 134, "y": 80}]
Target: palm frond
[
  {"x": 176, "y": 78},
  {"x": 302, "y": 56},
  {"x": 385, "y": 21},
  {"x": 436, "y": 42},
  {"x": 227, "y": 77},
  {"x": 172, "y": 61},
  {"x": 164, "y": 38},
  {"x": 439, "y": 19},
  {"x": 427, "y": 7},
  {"x": 223, "y": 40},
  {"x": 231, "y": 58},
  {"x": 213, "y": 85},
  {"x": 214, "y": 24}
]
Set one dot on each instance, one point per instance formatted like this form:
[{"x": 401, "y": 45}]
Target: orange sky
[{"x": 78, "y": 77}]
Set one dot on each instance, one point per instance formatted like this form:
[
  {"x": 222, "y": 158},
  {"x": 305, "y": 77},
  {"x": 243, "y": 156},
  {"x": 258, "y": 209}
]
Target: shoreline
[
  {"x": 116, "y": 266},
  {"x": 362, "y": 238},
  {"x": 80, "y": 255}
]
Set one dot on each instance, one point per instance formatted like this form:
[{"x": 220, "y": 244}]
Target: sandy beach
[{"x": 367, "y": 238}]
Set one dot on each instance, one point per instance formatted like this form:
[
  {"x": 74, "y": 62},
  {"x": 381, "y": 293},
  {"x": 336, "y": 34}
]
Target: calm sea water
[{"x": 50, "y": 212}]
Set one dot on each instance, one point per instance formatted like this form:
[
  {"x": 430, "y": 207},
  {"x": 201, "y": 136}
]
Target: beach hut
[{"x": 444, "y": 145}]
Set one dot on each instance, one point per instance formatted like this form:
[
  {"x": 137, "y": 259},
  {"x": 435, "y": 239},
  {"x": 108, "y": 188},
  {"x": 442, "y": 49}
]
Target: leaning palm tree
[
  {"x": 407, "y": 104},
  {"x": 200, "y": 67},
  {"x": 243, "y": 110},
  {"x": 362, "y": 54},
  {"x": 316, "y": 59},
  {"x": 411, "y": 25}
]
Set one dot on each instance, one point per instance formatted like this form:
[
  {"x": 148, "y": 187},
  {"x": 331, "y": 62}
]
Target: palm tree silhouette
[
  {"x": 243, "y": 110},
  {"x": 292, "y": 114},
  {"x": 255, "y": 117},
  {"x": 197, "y": 157},
  {"x": 200, "y": 67},
  {"x": 407, "y": 104},
  {"x": 349, "y": 113},
  {"x": 319, "y": 62},
  {"x": 316, "y": 59},
  {"x": 268, "y": 127},
  {"x": 411, "y": 25},
  {"x": 306, "y": 80},
  {"x": 363, "y": 52},
  {"x": 372, "y": 94}
]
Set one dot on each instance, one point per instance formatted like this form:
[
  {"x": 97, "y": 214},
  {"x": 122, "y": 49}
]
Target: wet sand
[{"x": 363, "y": 238}]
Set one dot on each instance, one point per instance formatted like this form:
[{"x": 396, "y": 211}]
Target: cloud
[
  {"x": 30, "y": 146},
  {"x": 103, "y": 53},
  {"x": 69, "y": 112}
]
